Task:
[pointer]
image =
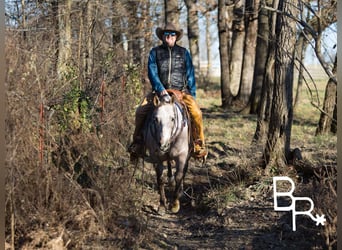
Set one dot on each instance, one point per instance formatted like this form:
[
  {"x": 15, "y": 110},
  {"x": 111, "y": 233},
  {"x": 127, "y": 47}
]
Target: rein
[{"x": 175, "y": 128}]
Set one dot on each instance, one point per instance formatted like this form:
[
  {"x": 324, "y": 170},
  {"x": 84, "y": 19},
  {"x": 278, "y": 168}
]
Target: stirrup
[
  {"x": 200, "y": 154},
  {"x": 200, "y": 150}
]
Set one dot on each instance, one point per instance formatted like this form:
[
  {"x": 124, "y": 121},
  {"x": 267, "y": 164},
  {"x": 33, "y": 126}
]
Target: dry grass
[
  {"x": 81, "y": 196},
  {"x": 236, "y": 131}
]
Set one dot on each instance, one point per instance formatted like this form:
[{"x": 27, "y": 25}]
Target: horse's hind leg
[{"x": 161, "y": 189}]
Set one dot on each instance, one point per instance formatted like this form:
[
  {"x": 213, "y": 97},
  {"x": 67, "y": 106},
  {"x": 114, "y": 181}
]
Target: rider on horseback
[{"x": 170, "y": 67}]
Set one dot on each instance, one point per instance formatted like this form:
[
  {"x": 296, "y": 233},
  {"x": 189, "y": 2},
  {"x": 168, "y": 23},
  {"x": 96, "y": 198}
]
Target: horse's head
[{"x": 164, "y": 120}]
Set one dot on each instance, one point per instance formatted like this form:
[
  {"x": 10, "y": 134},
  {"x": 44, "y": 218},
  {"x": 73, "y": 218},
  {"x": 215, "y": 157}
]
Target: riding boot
[
  {"x": 136, "y": 149},
  {"x": 199, "y": 149},
  {"x": 197, "y": 126}
]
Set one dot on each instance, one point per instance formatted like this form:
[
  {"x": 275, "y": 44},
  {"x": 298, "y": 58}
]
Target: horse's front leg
[
  {"x": 162, "y": 198},
  {"x": 181, "y": 168},
  {"x": 171, "y": 179}
]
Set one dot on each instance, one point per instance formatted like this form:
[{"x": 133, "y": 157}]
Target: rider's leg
[
  {"x": 197, "y": 123},
  {"x": 140, "y": 116}
]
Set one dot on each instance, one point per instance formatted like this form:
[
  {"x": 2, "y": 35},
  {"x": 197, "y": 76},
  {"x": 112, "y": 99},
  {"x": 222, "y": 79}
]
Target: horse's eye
[{"x": 172, "y": 119}]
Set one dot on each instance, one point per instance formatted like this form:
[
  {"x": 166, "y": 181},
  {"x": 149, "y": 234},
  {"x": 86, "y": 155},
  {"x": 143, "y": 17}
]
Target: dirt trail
[
  {"x": 228, "y": 203},
  {"x": 247, "y": 222}
]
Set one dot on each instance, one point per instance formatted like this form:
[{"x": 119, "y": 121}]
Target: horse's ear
[{"x": 156, "y": 100}]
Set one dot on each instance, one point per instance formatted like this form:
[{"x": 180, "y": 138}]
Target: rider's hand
[
  {"x": 164, "y": 92},
  {"x": 164, "y": 96}
]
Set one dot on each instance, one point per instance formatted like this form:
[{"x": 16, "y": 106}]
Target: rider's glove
[{"x": 165, "y": 98}]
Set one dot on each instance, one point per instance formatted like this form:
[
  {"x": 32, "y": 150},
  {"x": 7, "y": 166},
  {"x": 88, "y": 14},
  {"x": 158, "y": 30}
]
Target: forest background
[{"x": 76, "y": 70}]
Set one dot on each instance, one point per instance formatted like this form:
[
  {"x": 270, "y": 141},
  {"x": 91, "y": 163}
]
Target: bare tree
[
  {"x": 90, "y": 36},
  {"x": 277, "y": 150},
  {"x": 237, "y": 45},
  {"x": 326, "y": 121},
  {"x": 134, "y": 30},
  {"x": 264, "y": 106},
  {"x": 60, "y": 145},
  {"x": 172, "y": 11},
  {"x": 206, "y": 9},
  {"x": 224, "y": 39},
  {"x": 65, "y": 41},
  {"x": 301, "y": 48},
  {"x": 23, "y": 18},
  {"x": 313, "y": 22},
  {"x": 209, "y": 41},
  {"x": 247, "y": 70},
  {"x": 116, "y": 25},
  {"x": 260, "y": 57},
  {"x": 193, "y": 33}
]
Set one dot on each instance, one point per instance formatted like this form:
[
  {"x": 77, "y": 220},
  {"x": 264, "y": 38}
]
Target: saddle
[{"x": 176, "y": 93}]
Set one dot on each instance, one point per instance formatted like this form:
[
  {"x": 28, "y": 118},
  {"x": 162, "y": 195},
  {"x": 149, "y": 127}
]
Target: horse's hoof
[{"x": 175, "y": 208}]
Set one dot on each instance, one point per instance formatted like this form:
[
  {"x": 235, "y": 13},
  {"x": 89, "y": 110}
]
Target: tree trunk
[
  {"x": 54, "y": 18},
  {"x": 330, "y": 104},
  {"x": 334, "y": 121},
  {"x": 301, "y": 47},
  {"x": 135, "y": 27},
  {"x": 193, "y": 34},
  {"x": 251, "y": 24},
  {"x": 90, "y": 36},
  {"x": 147, "y": 40},
  {"x": 237, "y": 47},
  {"x": 264, "y": 107},
  {"x": 261, "y": 53},
  {"x": 116, "y": 27},
  {"x": 223, "y": 28},
  {"x": 277, "y": 150},
  {"x": 172, "y": 11},
  {"x": 260, "y": 58},
  {"x": 23, "y": 19},
  {"x": 208, "y": 43},
  {"x": 64, "y": 31}
]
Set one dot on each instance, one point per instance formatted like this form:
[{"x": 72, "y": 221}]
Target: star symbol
[{"x": 320, "y": 220}]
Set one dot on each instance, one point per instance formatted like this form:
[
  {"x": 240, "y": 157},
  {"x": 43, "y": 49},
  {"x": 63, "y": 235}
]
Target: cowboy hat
[{"x": 169, "y": 27}]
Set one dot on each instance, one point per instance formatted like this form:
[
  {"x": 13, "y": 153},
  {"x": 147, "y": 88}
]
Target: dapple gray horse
[{"x": 167, "y": 141}]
